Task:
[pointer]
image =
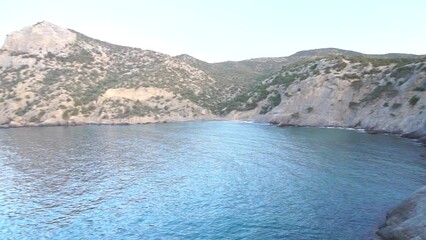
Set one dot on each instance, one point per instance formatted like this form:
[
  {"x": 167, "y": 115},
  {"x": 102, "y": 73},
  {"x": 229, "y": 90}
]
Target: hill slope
[
  {"x": 54, "y": 76},
  {"x": 371, "y": 93},
  {"x": 50, "y": 75}
]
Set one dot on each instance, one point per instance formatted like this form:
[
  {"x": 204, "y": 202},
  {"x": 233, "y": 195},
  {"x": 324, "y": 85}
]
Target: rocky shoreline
[
  {"x": 417, "y": 135},
  {"x": 407, "y": 220},
  {"x": 80, "y": 122}
]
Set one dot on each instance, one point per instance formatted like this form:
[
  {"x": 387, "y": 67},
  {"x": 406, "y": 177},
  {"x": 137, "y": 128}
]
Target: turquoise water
[{"x": 203, "y": 180}]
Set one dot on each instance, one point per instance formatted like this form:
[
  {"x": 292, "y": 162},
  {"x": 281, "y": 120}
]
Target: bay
[{"x": 201, "y": 180}]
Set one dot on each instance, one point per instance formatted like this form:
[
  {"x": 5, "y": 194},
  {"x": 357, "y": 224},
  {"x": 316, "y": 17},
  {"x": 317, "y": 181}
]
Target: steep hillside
[
  {"x": 347, "y": 91},
  {"x": 50, "y": 75},
  {"x": 235, "y": 77},
  {"x": 241, "y": 73},
  {"x": 55, "y": 76}
]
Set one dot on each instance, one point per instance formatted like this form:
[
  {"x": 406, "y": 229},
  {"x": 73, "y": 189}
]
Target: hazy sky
[{"x": 219, "y": 30}]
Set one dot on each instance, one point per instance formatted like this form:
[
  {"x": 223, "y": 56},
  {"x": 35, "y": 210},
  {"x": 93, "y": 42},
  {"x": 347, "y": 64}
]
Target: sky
[{"x": 222, "y": 30}]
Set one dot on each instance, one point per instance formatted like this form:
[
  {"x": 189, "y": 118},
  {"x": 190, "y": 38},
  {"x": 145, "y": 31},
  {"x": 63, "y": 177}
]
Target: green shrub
[
  {"x": 357, "y": 84},
  {"x": 396, "y": 105},
  {"x": 78, "y": 102},
  {"x": 55, "y": 75},
  {"x": 65, "y": 115},
  {"x": 304, "y": 76},
  {"x": 295, "y": 115},
  {"x": 23, "y": 111},
  {"x": 37, "y": 117},
  {"x": 264, "y": 110},
  {"x": 34, "y": 119},
  {"x": 353, "y": 105},
  {"x": 285, "y": 80},
  {"x": 340, "y": 66},
  {"x": 379, "y": 91},
  {"x": 91, "y": 107},
  {"x": 82, "y": 56},
  {"x": 275, "y": 99},
  {"x": 419, "y": 89},
  {"x": 377, "y": 62},
  {"x": 374, "y": 71},
  {"x": 413, "y": 100},
  {"x": 401, "y": 72},
  {"x": 188, "y": 94},
  {"x": 350, "y": 76},
  {"x": 74, "y": 112},
  {"x": 50, "y": 55}
]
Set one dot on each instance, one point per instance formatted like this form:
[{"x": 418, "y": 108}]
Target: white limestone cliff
[{"x": 40, "y": 38}]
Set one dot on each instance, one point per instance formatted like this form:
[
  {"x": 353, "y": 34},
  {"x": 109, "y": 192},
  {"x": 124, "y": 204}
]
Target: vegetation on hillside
[{"x": 76, "y": 78}]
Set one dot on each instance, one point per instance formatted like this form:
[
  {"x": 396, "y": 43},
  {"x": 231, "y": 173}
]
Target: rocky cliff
[
  {"x": 39, "y": 39},
  {"x": 407, "y": 220},
  {"x": 345, "y": 91}
]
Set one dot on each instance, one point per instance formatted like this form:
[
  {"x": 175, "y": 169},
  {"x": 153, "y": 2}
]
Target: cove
[{"x": 201, "y": 180}]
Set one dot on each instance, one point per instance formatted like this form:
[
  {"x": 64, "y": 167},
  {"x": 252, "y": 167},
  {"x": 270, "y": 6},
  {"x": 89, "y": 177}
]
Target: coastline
[{"x": 416, "y": 136}]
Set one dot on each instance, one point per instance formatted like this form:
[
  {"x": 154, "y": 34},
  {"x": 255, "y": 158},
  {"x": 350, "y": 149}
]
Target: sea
[{"x": 201, "y": 180}]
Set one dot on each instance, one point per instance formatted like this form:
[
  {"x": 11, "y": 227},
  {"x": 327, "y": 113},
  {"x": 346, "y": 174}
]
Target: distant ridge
[{"x": 324, "y": 52}]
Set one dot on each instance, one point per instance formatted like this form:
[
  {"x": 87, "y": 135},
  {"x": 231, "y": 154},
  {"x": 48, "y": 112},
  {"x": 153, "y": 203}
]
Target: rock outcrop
[
  {"x": 39, "y": 39},
  {"x": 407, "y": 220}
]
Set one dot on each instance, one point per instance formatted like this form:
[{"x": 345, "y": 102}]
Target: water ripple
[{"x": 206, "y": 180}]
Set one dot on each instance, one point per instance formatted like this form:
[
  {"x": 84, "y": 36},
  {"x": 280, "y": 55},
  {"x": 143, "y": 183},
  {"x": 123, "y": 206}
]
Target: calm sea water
[{"x": 204, "y": 180}]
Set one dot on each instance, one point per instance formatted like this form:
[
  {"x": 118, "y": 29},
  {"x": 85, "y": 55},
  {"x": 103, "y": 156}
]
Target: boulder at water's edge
[{"x": 407, "y": 220}]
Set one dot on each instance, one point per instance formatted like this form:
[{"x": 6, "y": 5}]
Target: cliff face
[
  {"x": 407, "y": 220},
  {"x": 39, "y": 39},
  {"x": 375, "y": 94}
]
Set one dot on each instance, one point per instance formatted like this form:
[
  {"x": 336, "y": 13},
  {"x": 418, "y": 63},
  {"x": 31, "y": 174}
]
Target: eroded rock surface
[
  {"x": 40, "y": 38},
  {"x": 407, "y": 220}
]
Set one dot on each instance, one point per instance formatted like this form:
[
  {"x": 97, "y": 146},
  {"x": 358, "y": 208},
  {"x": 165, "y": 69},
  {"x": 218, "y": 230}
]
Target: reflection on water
[{"x": 201, "y": 180}]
